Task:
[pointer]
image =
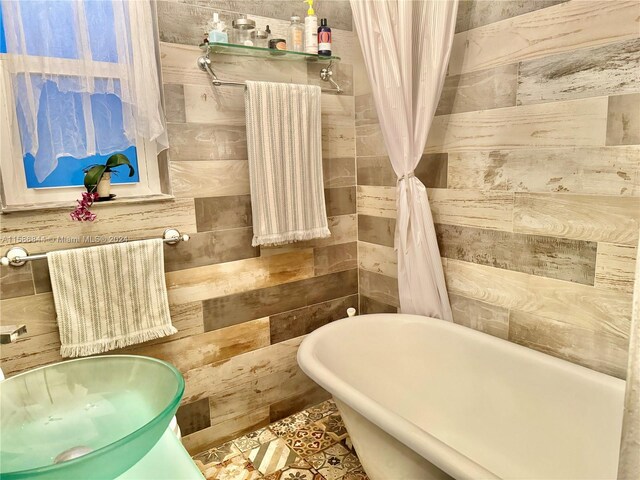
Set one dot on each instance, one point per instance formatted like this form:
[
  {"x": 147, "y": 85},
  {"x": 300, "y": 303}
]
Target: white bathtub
[{"x": 423, "y": 398}]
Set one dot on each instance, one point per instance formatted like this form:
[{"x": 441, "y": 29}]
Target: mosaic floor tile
[
  {"x": 356, "y": 475},
  {"x": 321, "y": 410},
  {"x": 334, "y": 462},
  {"x": 334, "y": 426},
  {"x": 290, "y": 424},
  {"x": 236, "y": 468},
  {"x": 273, "y": 456},
  {"x": 217, "y": 454},
  {"x": 309, "y": 440},
  {"x": 294, "y": 473},
  {"x": 254, "y": 439}
]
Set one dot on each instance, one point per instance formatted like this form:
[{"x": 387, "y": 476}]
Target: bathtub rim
[{"x": 420, "y": 441}]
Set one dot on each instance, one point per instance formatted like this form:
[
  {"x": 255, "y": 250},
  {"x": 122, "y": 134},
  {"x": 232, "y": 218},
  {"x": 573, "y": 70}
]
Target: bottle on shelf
[
  {"x": 324, "y": 39},
  {"x": 311, "y": 30},
  {"x": 218, "y": 33},
  {"x": 295, "y": 40}
]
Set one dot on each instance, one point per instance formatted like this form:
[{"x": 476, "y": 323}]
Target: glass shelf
[{"x": 259, "y": 52}]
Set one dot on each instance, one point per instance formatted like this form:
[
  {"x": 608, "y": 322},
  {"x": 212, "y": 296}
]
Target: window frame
[{"x": 14, "y": 193}]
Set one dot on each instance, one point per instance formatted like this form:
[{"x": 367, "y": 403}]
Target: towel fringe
[
  {"x": 101, "y": 346},
  {"x": 276, "y": 239}
]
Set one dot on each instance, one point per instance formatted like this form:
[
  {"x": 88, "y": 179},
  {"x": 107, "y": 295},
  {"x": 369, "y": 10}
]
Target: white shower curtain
[{"x": 406, "y": 47}]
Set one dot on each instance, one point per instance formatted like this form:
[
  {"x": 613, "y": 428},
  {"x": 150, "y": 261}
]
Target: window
[{"x": 50, "y": 172}]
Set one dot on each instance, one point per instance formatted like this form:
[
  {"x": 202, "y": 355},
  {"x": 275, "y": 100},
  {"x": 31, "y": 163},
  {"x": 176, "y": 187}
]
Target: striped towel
[
  {"x": 284, "y": 139},
  {"x": 109, "y": 296}
]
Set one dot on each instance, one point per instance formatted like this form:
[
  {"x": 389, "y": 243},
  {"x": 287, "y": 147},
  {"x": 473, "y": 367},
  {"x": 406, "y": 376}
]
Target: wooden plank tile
[
  {"x": 220, "y": 376},
  {"x": 16, "y": 282},
  {"x": 370, "y": 305},
  {"x": 378, "y": 259},
  {"x": 564, "y": 259},
  {"x": 208, "y": 248},
  {"x": 338, "y": 110},
  {"x": 339, "y": 172},
  {"x": 261, "y": 302},
  {"x": 178, "y": 64},
  {"x": 212, "y": 281},
  {"x": 302, "y": 321},
  {"x": 591, "y": 170},
  {"x": 340, "y": 201},
  {"x": 285, "y": 384},
  {"x": 582, "y": 217},
  {"x": 377, "y": 201},
  {"x": 475, "y": 13},
  {"x": 596, "y": 308},
  {"x": 379, "y": 287},
  {"x": 369, "y": 141},
  {"x": 376, "y": 171},
  {"x": 481, "y": 90},
  {"x": 480, "y": 316},
  {"x": 210, "y": 178},
  {"x": 492, "y": 210},
  {"x": 115, "y": 221},
  {"x": 335, "y": 258},
  {"x": 365, "y": 110},
  {"x": 623, "y": 120},
  {"x": 343, "y": 228},
  {"x": 584, "y": 344},
  {"x": 174, "y": 103},
  {"x": 223, "y": 432},
  {"x": 338, "y": 141},
  {"x": 615, "y": 267},
  {"x": 560, "y": 28},
  {"x": 206, "y": 348},
  {"x": 378, "y": 230},
  {"x": 193, "y": 416},
  {"x": 313, "y": 395},
  {"x": 572, "y": 123},
  {"x": 590, "y": 72},
  {"x": 431, "y": 171},
  {"x": 214, "y": 106},
  {"x": 201, "y": 141},
  {"x": 213, "y": 213}
]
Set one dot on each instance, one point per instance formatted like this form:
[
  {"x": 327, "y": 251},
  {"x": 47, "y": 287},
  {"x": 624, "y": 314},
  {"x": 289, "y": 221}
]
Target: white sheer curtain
[
  {"x": 406, "y": 47},
  {"x": 84, "y": 73}
]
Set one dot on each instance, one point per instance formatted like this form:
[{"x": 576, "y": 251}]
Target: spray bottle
[{"x": 311, "y": 30}]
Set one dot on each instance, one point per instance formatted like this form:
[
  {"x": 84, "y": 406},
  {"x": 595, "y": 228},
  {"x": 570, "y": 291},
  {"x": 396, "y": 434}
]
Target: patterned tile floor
[{"x": 310, "y": 445}]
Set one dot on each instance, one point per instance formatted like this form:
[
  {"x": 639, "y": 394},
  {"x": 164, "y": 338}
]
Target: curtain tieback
[{"x": 406, "y": 176}]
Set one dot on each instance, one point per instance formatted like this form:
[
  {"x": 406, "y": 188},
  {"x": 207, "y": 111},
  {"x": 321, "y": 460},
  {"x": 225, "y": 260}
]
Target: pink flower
[{"x": 82, "y": 212}]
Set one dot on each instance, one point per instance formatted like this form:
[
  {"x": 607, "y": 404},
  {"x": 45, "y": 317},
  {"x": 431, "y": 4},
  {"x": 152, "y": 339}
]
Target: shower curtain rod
[{"x": 325, "y": 74}]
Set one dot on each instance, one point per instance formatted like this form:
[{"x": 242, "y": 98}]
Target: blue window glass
[{"x": 100, "y": 20}]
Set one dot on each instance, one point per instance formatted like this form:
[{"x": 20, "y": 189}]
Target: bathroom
[{"x": 526, "y": 117}]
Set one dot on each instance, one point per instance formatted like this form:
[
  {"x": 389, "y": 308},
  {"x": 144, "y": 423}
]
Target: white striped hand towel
[
  {"x": 284, "y": 139},
  {"x": 109, "y": 296}
]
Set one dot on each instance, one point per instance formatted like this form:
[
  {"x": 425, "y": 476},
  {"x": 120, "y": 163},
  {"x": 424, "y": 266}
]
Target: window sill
[{"x": 161, "y": 197}]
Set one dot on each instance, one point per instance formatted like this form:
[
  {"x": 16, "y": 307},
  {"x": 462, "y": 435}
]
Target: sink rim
[{"x": 127, "y": 438}]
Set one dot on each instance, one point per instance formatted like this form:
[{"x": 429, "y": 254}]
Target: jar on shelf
[{"x": 243, "y": 31}]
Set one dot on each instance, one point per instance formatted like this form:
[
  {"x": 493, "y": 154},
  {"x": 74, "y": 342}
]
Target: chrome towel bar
[{"x": 18, "y": 256}]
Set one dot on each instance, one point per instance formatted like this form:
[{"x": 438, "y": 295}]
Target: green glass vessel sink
[{"x": 91, "y": 418}]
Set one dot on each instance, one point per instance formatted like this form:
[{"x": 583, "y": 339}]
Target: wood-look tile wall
[
  {"x": 533, "y": 173},
  {"x": 241, "y": 311}
]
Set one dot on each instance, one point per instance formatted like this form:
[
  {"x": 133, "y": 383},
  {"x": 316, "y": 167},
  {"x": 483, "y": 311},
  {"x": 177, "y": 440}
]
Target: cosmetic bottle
[
  {"x": 324, "y": 39},
  {"x": 311, "y": 30},
  {"x": 295, "y": 40},
  {"x": 218, "y": 33}
]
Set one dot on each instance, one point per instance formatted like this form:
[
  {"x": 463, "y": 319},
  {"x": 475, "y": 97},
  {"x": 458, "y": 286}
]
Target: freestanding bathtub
[{"x": 428, "y": 399}]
